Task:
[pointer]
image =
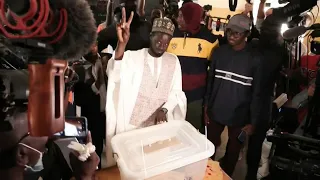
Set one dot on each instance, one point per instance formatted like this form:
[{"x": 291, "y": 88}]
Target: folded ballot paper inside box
[{"x": 171, "y": 151}]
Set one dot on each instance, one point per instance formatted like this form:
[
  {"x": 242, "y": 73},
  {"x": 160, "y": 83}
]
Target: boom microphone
[
  {"x": 81, "y": 31},
  {"x": 294, "y": 32},
  {"x": 297, "y": 31},
  {"x": 60, "y": 30},
  {"x": 293, "y": 8},
  {"x": 67, "y": 25}
]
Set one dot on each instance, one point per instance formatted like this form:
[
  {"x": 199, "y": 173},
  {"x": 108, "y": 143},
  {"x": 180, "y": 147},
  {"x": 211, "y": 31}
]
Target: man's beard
[{"x": 155, "y": 53}]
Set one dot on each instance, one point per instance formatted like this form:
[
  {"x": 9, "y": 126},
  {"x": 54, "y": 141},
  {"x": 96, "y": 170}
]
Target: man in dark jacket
[
  {"x": 233, "y": 91},
  {"x": 90, "y": 95},
  {"x": 273, "y": 52},
  {"x": 193, "y": 44}
]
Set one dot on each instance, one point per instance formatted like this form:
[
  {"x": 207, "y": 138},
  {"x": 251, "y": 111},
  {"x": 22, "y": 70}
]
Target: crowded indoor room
[{"x": 159, "y": 90}]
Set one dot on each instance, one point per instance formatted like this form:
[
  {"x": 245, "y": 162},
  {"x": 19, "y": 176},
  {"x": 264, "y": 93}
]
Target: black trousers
[
  {"x": 97, "y": 127},
  {"x": 254, "y": 153},
  {"x": 230, "y": 159},
  {"x": 195, "y": 115},
  {"x": 256, "y": 141}
]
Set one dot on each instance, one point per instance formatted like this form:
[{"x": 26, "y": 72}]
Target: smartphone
[
  {"x": 242, "y": 137},
  {"x": 74, "y": 127}
]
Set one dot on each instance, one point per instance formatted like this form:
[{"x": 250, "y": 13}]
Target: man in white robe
[{"x": 145, "y": 86}]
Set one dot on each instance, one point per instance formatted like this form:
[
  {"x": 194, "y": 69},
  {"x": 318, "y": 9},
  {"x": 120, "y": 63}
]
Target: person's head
[
  {"x": 190, "y": 17},
  {"x": 161, "y": 35},
  {"x": 20, "y": 153},
  {"x": 238, "y": 29},
  {"x": 92, "y": 56}
]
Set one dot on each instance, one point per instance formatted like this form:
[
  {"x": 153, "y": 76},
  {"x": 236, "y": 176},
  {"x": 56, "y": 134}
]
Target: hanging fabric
[
  {"x": 251, "y": 15},
  {"x": 254, "y": 31}
]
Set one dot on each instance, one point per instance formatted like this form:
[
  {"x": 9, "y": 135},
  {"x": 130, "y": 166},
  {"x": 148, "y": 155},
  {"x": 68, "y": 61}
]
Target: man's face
[
  {"x": 159, "y": 43},
  {"x": 181, "y": 22},
  {"x": 23, "y": 155},
  {"x": 235, "y": 38},
  {"x": 92, "y": 55}
]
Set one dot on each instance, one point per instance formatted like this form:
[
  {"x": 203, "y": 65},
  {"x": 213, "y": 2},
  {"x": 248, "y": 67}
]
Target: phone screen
[
  {"x": 242, "y": 136},
  {"x": 74, "y": 127}
]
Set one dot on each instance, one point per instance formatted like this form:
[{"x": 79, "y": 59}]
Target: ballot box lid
[{"x": 150, "y": 151}]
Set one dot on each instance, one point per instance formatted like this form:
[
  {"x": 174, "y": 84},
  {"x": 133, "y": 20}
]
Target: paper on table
[{"x": 63, "y": 145}]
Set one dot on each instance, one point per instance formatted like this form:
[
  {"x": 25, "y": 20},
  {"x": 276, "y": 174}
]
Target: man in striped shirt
[{"x": 233, "y": 92}]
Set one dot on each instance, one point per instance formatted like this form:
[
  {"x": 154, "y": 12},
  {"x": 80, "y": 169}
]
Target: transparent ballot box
[{"x": 169, "y": 151}]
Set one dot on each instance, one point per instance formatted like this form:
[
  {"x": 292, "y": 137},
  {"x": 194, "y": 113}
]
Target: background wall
[
  {"x": 220, "y": 8},
  {"x": 221, "y": 3}
]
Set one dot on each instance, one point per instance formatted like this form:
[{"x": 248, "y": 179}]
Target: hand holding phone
[{"x": 74, "y": 127}]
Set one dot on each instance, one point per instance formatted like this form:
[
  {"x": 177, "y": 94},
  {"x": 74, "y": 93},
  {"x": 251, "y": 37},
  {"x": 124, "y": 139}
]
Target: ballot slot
[{"x": 168, "y": 143}]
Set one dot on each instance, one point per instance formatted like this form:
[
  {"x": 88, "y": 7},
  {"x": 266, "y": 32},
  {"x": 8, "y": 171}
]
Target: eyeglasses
[{"x": 234, "y": 34}]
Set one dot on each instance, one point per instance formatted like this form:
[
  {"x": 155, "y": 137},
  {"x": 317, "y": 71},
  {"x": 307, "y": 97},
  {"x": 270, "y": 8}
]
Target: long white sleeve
[{"x": 115, "y": 67}]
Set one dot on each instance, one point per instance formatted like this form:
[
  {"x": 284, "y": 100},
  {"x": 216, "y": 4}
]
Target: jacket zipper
[{"x": 184, "y": 40}]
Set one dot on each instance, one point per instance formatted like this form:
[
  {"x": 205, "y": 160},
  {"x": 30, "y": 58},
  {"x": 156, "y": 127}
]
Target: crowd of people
[{"x": 143, "y": 73}]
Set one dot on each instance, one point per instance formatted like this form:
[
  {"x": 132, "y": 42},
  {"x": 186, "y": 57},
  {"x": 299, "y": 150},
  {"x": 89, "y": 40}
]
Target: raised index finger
[{"x": 123, "y": 20}]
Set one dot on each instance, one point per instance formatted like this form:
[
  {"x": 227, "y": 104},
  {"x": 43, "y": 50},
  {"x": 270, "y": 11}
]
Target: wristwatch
[{"x": 164, "y": 110}]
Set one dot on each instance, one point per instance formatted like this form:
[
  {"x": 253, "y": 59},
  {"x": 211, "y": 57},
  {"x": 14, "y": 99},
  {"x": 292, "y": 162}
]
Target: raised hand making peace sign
[{"x": 123, "y": 28}]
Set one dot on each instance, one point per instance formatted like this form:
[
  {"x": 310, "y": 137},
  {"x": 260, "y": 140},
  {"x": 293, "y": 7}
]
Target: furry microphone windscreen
[{"x": 81, "y": 31}]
